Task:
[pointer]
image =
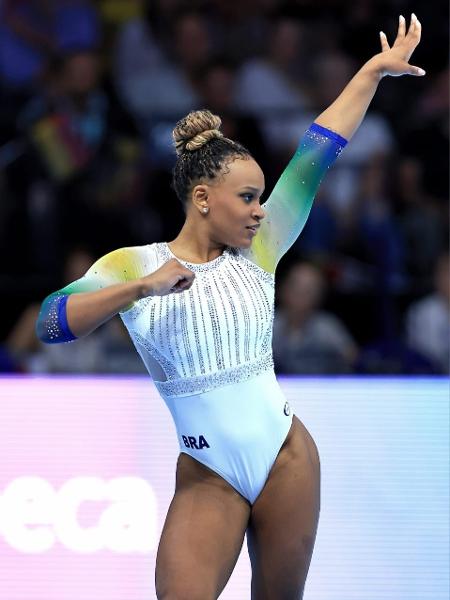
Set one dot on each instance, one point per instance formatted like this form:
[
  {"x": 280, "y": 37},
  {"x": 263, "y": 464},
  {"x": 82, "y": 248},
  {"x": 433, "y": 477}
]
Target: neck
[{"x": 194, "y": 245}]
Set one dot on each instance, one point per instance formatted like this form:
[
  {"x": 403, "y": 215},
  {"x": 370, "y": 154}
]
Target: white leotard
[{"x": 209, "y": 348}]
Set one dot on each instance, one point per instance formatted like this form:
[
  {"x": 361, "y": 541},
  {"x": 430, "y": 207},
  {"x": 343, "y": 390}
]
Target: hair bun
[{"x": 196, "y": 129}]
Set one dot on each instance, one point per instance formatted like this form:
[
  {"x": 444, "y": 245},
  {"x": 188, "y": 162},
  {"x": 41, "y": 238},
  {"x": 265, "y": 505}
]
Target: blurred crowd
[{"x": 90, "y": 92}]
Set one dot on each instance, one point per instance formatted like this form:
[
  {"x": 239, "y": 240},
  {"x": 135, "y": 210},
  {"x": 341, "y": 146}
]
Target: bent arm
[
  {"x": 110, "y": 286},
  {"x": 68, "y": 315},
  {"x": 288, "y": 206}
]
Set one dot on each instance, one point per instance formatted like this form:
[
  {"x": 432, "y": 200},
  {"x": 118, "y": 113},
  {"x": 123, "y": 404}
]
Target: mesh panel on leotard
[{"x": 290, "y": 202}]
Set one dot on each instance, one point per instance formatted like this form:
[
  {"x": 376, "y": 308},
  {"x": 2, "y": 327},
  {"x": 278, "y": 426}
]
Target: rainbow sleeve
[
  {"x": 118, "y": 266},
  {"x": 289, "y": 204}
]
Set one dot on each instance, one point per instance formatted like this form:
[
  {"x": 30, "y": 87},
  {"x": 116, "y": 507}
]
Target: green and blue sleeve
[
  {"x": 288, "y": 206},
  {"x": 118, "y": 266},
  {"x": 287, "y": 210}
]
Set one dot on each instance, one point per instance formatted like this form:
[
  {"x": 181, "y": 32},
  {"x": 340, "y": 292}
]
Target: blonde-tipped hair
[
  {"x": 195, "y": 129},
  {"x": 203, "y": 152}
]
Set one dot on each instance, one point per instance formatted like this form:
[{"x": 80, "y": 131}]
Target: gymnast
[{"x": 199, "y": 310}]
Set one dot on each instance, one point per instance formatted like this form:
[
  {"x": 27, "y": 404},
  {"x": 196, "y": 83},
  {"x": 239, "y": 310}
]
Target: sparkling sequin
[
  {"x": 231, "y": 304},
  {"x": 139, "y": 307},
  {"x": 201, "y": 384},
  {"x": 168, "y": 367},
  {"x": 50, "y": 327},
  {"x": 220, "y": 330}
]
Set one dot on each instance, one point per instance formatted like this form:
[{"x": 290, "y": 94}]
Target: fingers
[
  {"x": 176, "y": 289},
  {"x": 401, "y": 27},
  {"x": 412, "y": 24},
  {"x": 416, "y": 71},
  {"x": 185, "y": 285},
  {"x": 384, "y": 43},
  {"x": 415, "y": 29},
  {"x": 413, "y": 37},
  {"x": 182, "y": 285}
]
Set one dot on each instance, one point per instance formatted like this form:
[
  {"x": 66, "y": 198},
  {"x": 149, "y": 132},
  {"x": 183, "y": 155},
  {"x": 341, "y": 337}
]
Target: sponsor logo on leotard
[
  {"x": 191, "y": 442},
  {"x": 287, "y": 409}
]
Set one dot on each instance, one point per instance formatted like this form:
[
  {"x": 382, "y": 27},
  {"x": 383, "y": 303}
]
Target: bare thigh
[
  {"x": 202, "y": 536},
  {"x": 284, "y": 518}
]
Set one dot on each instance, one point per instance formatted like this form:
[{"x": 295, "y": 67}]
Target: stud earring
[{"x": 205, "y": 210}]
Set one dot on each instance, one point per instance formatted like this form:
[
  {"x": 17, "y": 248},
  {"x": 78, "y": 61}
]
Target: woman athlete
[{"x": 199, "y": 310}]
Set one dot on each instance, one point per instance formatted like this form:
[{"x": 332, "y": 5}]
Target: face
[
  {"x": 302, "y": 290},
  {"x": 81, "y": 73},
  {"x": 218, "y": 88},
  {"x": 234, "y": 203},
  {"x": 285, "y": 42},
  {"x": 192, "y": 41}
]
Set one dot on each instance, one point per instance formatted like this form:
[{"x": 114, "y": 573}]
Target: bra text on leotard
[{"x": 191, "y": 442}]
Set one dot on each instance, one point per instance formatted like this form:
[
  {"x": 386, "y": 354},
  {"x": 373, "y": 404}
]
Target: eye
[{"x": 248, "y": 197}]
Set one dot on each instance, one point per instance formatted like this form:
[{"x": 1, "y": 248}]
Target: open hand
[{"x": 395, "y": 61}]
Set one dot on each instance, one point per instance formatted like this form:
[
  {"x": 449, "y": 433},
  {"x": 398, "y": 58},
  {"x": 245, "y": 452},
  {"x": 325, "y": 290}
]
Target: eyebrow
[{"x": 253, "y": 189}]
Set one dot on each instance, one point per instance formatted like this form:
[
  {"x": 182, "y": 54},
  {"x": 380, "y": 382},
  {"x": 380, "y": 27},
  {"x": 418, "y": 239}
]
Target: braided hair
[{"x": 203, "y": 152}]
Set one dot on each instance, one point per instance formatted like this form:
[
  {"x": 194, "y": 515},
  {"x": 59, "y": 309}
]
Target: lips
[{"x": 252, "y": 227}]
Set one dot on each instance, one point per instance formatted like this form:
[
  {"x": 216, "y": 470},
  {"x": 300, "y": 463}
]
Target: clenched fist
[{"x": 171, "y": 277}]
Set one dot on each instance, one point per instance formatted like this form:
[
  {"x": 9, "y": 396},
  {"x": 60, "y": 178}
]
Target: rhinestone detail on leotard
[
  {"x": 204, "y": 383},
  {"x": 217, "y": 332}
]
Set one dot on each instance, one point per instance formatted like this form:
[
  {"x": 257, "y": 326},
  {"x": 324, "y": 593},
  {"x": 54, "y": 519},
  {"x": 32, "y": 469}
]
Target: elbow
[
  {"x": 51, "y": 325},
  {"x": 46, "y": 332}
]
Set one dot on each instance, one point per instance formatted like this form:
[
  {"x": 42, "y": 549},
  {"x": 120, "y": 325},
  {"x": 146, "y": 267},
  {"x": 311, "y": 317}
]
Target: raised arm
[
  {"x": 289, "y": 204},
  {"x": 345, "y": 114},
  {"x": 288, "y": 207}
]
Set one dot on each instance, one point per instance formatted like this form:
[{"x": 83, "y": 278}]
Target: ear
[{"x": 200, "y": 196}]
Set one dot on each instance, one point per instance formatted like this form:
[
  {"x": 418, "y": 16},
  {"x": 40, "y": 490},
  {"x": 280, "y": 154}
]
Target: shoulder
[
  {"x": 126, "y": 263},
  {"x": 256, "y": 260}
]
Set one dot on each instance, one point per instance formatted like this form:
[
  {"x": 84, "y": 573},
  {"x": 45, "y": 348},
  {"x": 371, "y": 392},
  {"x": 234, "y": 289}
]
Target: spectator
[
  {"x": 428, "y": 126},
  {"x": 67, "y": 120},
  {"x": 241, "y": 29},
  {"x": 421, "y": 226},
  {"x": 155, "y": 84},
  {"x": 216, "y": 84},
  {"x": 373, "y": 138},
  {"x": 307, "y": 339},
  {"x": 76, "y": 169},
  {"x": 370, "y": 232},
  {"x": 428, "y": 320},
  {"x": 33, "y": 30},
  {"x": 158, "y": 85},
  {"x": 268, "y": 86},
  {"x": 142, "y": 72},
  {"x": 83, "y": 160}
]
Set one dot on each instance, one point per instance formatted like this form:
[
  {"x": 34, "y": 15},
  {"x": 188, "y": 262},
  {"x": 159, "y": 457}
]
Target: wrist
[
  {"x": 143, "y": 288},
  {"x": 374, "y": 69}
]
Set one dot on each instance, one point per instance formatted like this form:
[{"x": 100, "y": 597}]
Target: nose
[{"x": 259, "y": 212}]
